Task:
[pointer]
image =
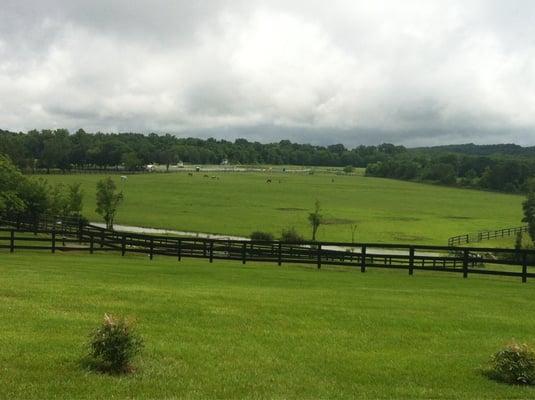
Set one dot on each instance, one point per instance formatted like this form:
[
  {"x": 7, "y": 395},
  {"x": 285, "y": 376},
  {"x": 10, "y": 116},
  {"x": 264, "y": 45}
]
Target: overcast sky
[{"x": 408, "y": 72}]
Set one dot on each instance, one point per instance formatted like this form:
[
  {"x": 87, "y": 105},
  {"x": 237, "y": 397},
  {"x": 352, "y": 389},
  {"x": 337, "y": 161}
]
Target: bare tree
[
  {"x": 315, "y": 219},
  {"x": 353, "y": 231}
]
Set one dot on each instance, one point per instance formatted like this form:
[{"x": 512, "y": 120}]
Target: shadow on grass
[
  {"x": 89, "y": 364},
  {"x": 490, "y": 374}
]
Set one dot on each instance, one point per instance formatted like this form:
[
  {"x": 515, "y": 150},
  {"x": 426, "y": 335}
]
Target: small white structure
[
  {"x": 180, "y": 164},
  {"x": 224, "y": 162},
  {"x": 150, "y": 167}
]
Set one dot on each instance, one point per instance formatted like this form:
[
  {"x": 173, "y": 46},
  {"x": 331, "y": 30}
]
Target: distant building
[
  {"x": 150, "y": 167},
  {"x": 180, "y": 164}
]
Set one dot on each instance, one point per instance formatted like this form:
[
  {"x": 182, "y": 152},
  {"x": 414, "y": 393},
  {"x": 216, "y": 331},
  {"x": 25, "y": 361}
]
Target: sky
[{"x": 411, "y": 72}]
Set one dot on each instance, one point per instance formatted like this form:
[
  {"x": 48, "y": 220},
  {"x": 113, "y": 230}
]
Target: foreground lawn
[
  {"x": 238, "y": 203},
  {"x": 225, "y": 330}
]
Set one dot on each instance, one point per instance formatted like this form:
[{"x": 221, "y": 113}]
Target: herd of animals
[{"x": 268, "y": 180}]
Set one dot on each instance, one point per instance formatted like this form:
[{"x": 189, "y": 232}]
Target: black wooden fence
[
  {"x": 77, "y": 236},
  {"x": 485, "y": 235}
]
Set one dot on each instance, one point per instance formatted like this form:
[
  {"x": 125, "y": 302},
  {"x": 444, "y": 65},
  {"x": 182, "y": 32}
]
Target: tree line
[
  {"x": 499, "y": 173},
  {"x": 58, "y": 149},
  {"x": 495, "y": 167},
  {"x": 33, "y": 198}
]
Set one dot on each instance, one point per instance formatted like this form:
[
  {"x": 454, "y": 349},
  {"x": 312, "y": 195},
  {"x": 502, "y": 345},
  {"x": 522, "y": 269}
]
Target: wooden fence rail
[
  {"x": 485, "y": 235},
  {"x": 88, "y": 238}
]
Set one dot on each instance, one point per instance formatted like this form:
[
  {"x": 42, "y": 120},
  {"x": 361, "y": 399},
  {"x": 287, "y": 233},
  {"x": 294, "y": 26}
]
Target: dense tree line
[
  {"x": 33, "y": 198},
  {"x": 503, "y": 167},
  {"x": 57, "y": 149},
  {"x": 500, "y": 173}
]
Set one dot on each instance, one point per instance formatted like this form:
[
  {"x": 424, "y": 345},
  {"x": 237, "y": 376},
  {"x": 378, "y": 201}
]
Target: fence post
[
  {"x": 243, "y": 251},
  {"x": 80, "y": 231},
  {"x": 12, "y": 241},
  {"x": 91, "y": 242},
  {"x": 363, "y": 259},
  {"x": 179, "y": 249},
  {"x": 151, "y": 248},
  {"x": 280, "y": 253},
  {"x": 411, "y": 260},
  {"x": 524, "y": 267},
  {"x": 123, "y": 245},
  {"x": 53, "y": 240},
  {"x": 319, "y": 255},
  {"x": 465, "y": 264},
  {"x": 211, "y": 251}
]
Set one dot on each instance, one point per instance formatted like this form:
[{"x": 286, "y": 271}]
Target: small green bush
[
  {"x": 291, "y": 235},
  {"x": 259, "y": 235},
  {"x": 114, "y": 344},
  {"x": 514, "y": 364}
]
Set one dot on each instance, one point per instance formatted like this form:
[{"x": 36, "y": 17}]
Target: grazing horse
[
  {"x": 205, "y": 176},
  {"x": 190, "y": 173}
]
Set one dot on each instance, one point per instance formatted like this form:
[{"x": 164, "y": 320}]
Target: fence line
[
  {"x": 485, "y": 235},
  {"x": 77, "y": 236}
]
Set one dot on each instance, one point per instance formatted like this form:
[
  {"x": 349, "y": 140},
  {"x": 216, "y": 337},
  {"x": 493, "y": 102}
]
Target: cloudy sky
[{"x": 409, "y": 72}]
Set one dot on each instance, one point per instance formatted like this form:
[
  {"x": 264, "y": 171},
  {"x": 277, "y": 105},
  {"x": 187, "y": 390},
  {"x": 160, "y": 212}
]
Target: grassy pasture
[
  {"x": 225, "y": 330},
  {"x": 238, "y": 203}
]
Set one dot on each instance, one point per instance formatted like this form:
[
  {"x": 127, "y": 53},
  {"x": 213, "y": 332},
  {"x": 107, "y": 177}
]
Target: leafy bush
[
  {"x": 291, "y": 235},
  {"x": 114, "y": 344},
  {"x": 514, "y": 364},
  {"x": 348, "y": 169},
  {"x": 259, "y": 235}
]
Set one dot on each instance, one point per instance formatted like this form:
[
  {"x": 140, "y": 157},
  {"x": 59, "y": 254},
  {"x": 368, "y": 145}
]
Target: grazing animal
[
  {"x": 214, "y": 177},
  {"x": 269, "y": 180},
  {"x": 190, "y": 174},
  {"x": 205, "y": 176}
]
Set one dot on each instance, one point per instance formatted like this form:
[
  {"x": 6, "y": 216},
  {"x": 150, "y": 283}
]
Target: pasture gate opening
[{"x": 76, "y": 235}]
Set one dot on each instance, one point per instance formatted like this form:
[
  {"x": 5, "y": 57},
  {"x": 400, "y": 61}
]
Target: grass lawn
[
  {"x": 239, "y": 203},
  {"x": 225, "y": 330}
]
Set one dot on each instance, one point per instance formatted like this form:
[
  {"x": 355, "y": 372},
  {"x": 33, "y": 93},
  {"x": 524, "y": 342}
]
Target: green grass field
[
  {"x": 239, "y": 203},
  {"x": 224, "y": 330}
]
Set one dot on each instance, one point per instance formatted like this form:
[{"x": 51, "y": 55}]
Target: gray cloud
[{"x": 412, "y": 72}]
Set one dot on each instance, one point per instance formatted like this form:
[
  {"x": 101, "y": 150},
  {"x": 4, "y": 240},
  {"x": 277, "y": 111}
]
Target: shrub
[
  {"x": 514, "y": 364},
  {"x": 291, "y": 235},
  {"x": 259, "y": 235},
  {"x": 348, "y": 169},
  {"x": 114, "y": 344}
]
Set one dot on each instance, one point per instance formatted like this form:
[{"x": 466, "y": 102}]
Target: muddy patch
[
  {"x": 337, "y": 221},
  {"x": 409, "y": 238},
  {"x": 402, "y": 219},
  {"x": 456, "y": 217},
  {"x": 290, "y": 209}
]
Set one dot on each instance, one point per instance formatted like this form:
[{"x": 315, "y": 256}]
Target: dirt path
[{"x": 203, "y": 235}]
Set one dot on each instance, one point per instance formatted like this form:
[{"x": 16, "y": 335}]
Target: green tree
[
  {"x": 11, "y": 181},
  {"x": 75, "y": 199},
  {"x": 315, "y": 219},
  {"x": 58, "y": 201},
  {"x": 131, "y": 161},
  {"x": 35, "y": 194},
  {"x": 528, "y": 207},
  {"x": 108, "y": 200}
]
